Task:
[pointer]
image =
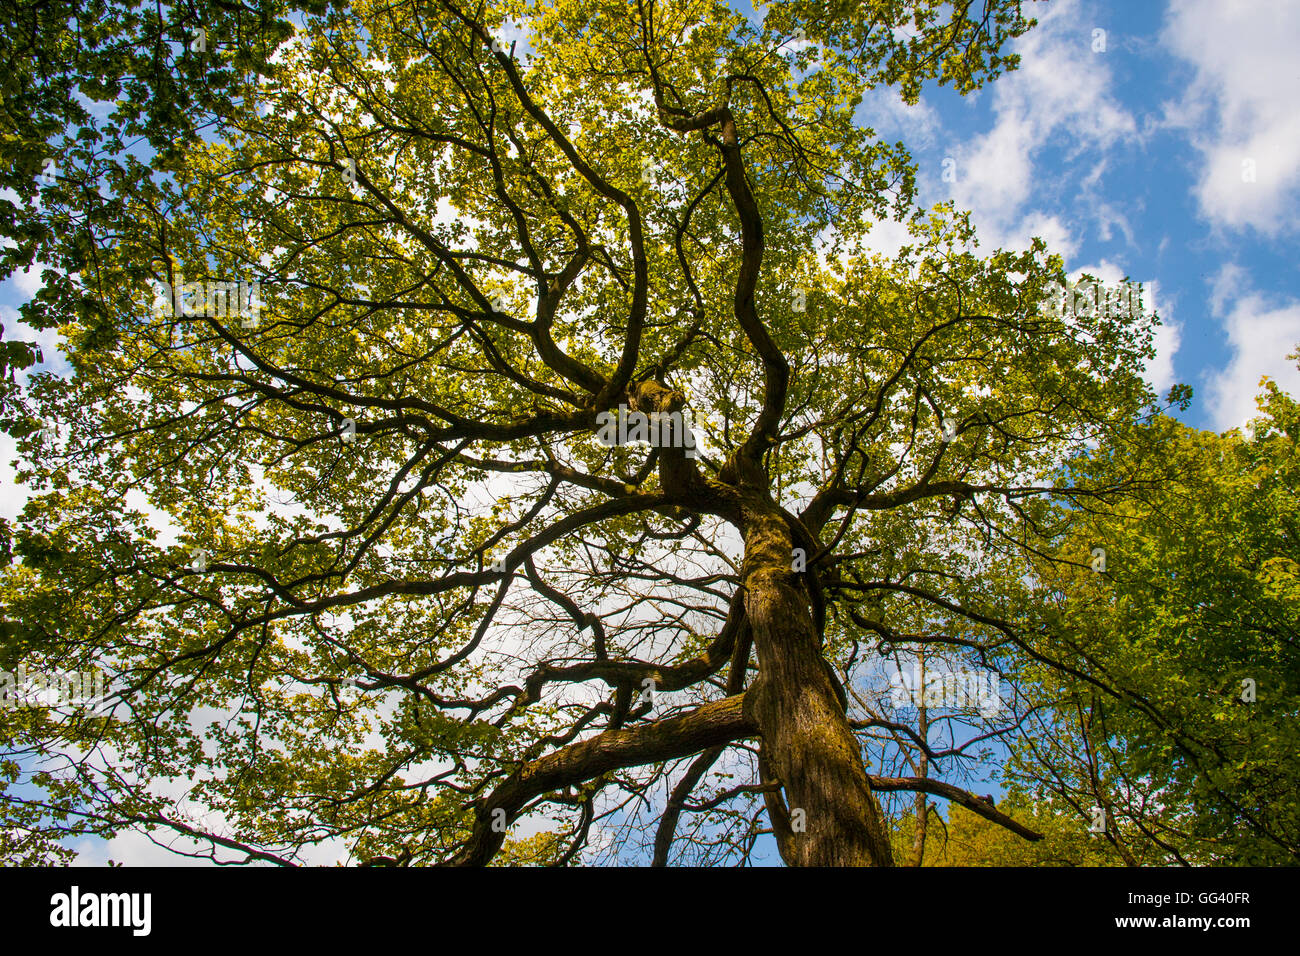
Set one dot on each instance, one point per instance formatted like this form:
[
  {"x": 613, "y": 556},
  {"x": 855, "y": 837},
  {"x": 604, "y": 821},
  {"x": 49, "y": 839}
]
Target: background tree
[
  {"x": 968, "y": 839},
  {"x": 365, "y": 581},
  {"x": 1178, "y": 710}
]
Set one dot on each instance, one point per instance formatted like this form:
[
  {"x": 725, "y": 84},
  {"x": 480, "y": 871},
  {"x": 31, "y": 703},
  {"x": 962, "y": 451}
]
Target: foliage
[{"x": 1183, "y": 682}]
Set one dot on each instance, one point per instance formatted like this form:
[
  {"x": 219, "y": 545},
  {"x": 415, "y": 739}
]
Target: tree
[
  {"x": 1181, "y": 697},
  {"x": 483, "y": 415},
  {"x": 968, "y": 839}
]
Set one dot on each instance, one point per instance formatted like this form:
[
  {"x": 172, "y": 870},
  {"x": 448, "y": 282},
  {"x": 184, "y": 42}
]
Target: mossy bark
[{"x": 829, "y": 816}]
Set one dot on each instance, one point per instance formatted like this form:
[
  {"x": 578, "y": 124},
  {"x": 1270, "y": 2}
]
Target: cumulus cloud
[
  {"x": 1240, "y": 109},
  {"x": 12, "y": 495},
  {"x": 133, "y": 848},
  {"x": 1060, "y": 95},
  {"x": 1159, "y": 372},
  {"x": 887, "y": 236},
  {"x": 1262, "y": 332},
  {"x": 49, "y": 341},
  {"x": 885, "y": 111},
  {"x": 28, "y": 281}
]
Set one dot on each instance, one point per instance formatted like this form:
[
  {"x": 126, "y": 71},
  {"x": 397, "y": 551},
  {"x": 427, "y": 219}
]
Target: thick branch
[
  {"x": 709, "y": 725},
  {"x": 956, "y": 795}
]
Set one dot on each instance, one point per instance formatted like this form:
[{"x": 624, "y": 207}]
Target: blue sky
[{"x": 1166, "y": 148}]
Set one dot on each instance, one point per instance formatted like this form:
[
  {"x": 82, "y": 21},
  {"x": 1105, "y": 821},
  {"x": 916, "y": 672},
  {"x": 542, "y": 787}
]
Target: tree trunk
[
  {"x": 831, "y": 816},
  {"x": 921, "y": 802}
]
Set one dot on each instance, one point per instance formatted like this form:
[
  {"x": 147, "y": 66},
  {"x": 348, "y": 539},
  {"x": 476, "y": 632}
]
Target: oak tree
[{"x": 348, "y": 296}]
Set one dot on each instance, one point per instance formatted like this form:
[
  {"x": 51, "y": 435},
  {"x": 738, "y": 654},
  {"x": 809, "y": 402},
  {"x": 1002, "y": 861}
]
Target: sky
[{"x": 1154, "y": 140}]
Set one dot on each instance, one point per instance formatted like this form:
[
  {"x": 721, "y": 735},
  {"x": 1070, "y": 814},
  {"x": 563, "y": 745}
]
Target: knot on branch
[{"x": 650, "y": 396}]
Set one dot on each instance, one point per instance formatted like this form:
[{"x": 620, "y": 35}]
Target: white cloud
[
  {"x": 49, "y": 341},
  {"x": 1060, "y": 94},
  {"x": 1262, "y": 334},
  {"x": 28, "y": 282},
  {"x": 994, "y": 172},
  {"x": 12, "y": 495},
  {"x": 885, "y": 111},
  {"x": 1109, "y": 218},
  {"x": 135, "y": 848},
  {"x": 1244, "y": 55},
  {"x": 1230, "y": 282},
  {"x": 886, "y": 236},
  {"x": 1058, "y": 236},
  {"x": 1159, "y": 373}
]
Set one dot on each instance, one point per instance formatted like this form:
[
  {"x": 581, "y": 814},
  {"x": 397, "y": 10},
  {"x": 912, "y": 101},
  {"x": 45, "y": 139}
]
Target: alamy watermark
[
  {"x": 1092, "y": 299},
  {"x": 216, "y": 300},
  {"x": 77, "y": 908},
  {"x": 22, "y": 688},
  {"x": 957, "y": 689},
  {"x": 657, "y": 429}
]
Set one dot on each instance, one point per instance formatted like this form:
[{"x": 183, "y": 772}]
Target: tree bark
[
  {"x": 921, "y": 802},
  {"x": 832, "y": 817}
]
